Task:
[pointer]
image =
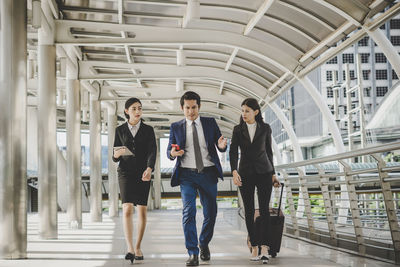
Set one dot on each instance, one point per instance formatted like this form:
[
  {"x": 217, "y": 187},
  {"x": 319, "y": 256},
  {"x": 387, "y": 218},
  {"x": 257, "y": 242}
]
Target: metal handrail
[
  {"x": 345, "y": 155},
  {"x": 355, "y": 212}
]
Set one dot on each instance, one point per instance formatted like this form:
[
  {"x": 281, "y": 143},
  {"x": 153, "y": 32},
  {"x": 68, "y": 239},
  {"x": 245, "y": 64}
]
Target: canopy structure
[{"x": 224, "y": 50}]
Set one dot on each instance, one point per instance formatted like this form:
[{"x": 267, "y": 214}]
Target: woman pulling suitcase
[{"x": 256, "y": 169}]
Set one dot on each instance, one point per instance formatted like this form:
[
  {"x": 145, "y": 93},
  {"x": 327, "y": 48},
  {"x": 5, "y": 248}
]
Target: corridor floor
[{"x": 102, "y": 244}]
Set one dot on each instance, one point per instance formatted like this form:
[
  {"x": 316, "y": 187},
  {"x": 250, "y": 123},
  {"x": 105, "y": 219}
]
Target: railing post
[
  {"x": 355, "y": 212},
  {"x": 289, "y": 196},
  {"x": 327, "y": 204},
  {"x": 389, "y": 206},
  {"x": 307, "y": 204}
]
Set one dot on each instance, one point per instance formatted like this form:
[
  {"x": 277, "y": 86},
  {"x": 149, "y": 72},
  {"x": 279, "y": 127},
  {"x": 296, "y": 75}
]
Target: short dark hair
[
  {"x": 129, "y": 103},
  {"x": 253, "y": 104},
  {"x": 190, "y": 95}
]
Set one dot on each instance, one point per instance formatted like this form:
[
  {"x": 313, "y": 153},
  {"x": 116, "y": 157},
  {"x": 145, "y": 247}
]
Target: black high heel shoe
[{"x": 130, "y": 256}]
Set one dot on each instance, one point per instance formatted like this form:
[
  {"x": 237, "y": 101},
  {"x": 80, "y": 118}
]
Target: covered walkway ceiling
[{"x": 226, "y": 50}]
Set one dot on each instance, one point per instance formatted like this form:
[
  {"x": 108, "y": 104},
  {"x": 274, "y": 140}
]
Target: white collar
[
  {"x": 134, "y": 126},
  {"x": 252, "y": 124},
  {"x": 197, "y": 121}
]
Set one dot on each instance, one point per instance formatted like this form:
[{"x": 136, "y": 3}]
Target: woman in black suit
[
  {"x": 256, "y": 169},
  {"x": 134, "y": 171}
]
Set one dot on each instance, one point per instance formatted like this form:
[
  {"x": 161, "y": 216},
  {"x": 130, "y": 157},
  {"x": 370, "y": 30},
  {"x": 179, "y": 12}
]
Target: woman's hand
[
  {"x": 237, "y": 180},
  {"x": 119, "y": 152},
  {"x": 175, "y": 153},
  {"x": 146, "y": 176},
  {"x": 275, "y": 181}
]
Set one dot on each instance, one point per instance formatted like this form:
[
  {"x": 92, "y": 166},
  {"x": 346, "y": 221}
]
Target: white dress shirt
[
  {"x": 134, "y": 128},
  {"x": 252, "y": 130},
  {"x": 188, "y": 159}
]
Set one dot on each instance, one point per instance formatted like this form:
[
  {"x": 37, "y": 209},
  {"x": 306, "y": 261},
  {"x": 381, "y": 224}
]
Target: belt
[{"x": 196, "y": 171}]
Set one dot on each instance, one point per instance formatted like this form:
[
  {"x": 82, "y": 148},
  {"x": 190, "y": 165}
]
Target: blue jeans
[{"x": 206, "y": 185}]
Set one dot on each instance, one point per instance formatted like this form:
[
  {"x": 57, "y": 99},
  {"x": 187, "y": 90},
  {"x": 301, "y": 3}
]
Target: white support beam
[
  {"x": 161, "y": 36},
  {"x": 179, "y": 85},
  {"x": 221, "y": 88},
  {"x": 345, "y": 26},
  {"x": 192, "y": 12},
  {"x": 369, "y": 25},
  {"x": 338, "y": 11},
  {"x": 387, "y": 48},
  {"x": 172, "y": 72},
  {"x": 257, "y": 16},
  {"x": 231, "y": 58},
  {"x": 120, "y": 11},
  {"x": 326, "y": 113},
  {"x": 54, "y": 8},
  {"x": 90, "y": 88}
]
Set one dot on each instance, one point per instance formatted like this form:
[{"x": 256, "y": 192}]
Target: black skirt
[{"x": 133, "y": 189}]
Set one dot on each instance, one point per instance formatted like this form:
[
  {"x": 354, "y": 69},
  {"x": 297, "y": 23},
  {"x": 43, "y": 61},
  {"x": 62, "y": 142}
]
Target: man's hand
[
  {"x": 237, "y": 180},
  {"x": 119, "y": 152},
  {"x": 146, "y": 176},
  {"x": 275, "y": 181},
  {"x": 222, "y": 142},
  {"x": 175, "y": 153}
]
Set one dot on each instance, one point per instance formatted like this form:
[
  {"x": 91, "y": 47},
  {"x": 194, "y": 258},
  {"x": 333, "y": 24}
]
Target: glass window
[
  {"x": 380, "y": 58},
  {"x": 332, "y": 61},
  {"x": 364, "y": 57},
  {"x": 363, "y": 41},
  {"x": 394, "y": 75},
  {"x": 381, "y": 74},
  {"x": 365, "y": 74},
  {"x": 367, "y": 91},
  {"x": 329, "y": 92},
  {"x": 381, "y": 90},
  {"x": 348, "y": 58},
  {"x": 395, "y": 24},
  {"x": 351, "y": 75},
  {"x": 395, "y": 40},
  {"x": 329, "y": 75}
]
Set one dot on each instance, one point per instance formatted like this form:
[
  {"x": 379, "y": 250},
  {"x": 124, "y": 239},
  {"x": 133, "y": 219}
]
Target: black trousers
[{"x": 263, "y": 182}]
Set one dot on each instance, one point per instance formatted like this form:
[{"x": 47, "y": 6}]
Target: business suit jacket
[
  {"x": 256, "y": 156},
  {"x": 143, "y": 146},
  {"x": 177, "y": 136}
]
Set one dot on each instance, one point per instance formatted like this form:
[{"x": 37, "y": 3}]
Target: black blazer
[
  {"x": 255, "y": 157},
  {"x": 143, "y": 146}
]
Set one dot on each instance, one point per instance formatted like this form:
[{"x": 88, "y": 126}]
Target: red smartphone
[{"x": 176, "y": 147}]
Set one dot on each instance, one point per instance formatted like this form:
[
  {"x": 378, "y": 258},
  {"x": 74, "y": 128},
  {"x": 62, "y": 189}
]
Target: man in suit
[{"x": 197, "y": 169}]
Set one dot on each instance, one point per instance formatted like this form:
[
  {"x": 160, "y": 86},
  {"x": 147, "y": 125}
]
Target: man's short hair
[{"x": 190, "y": 95}]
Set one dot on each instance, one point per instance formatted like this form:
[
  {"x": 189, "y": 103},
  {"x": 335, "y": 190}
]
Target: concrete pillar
[
  {"x": 157, "y": 180},
  {"x": 13, "y": 132},
  {"x": 73, "y": 110},
  {"x": 95, "y": 160},
  {"x": 47, "y": 136},
  {"x": 47, "y": 142},
  {"x": 113, "y": 190}
]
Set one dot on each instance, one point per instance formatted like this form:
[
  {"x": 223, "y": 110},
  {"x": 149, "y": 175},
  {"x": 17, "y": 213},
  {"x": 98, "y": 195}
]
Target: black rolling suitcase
[{"x": 275, "y": 227}]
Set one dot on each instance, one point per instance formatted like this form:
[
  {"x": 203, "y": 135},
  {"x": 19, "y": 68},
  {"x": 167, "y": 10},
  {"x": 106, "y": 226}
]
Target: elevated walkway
[{"x": 102, "y": 244}]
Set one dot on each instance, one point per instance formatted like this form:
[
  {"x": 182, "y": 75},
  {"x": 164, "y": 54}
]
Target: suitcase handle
[{"x": 280, "y": 199}]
